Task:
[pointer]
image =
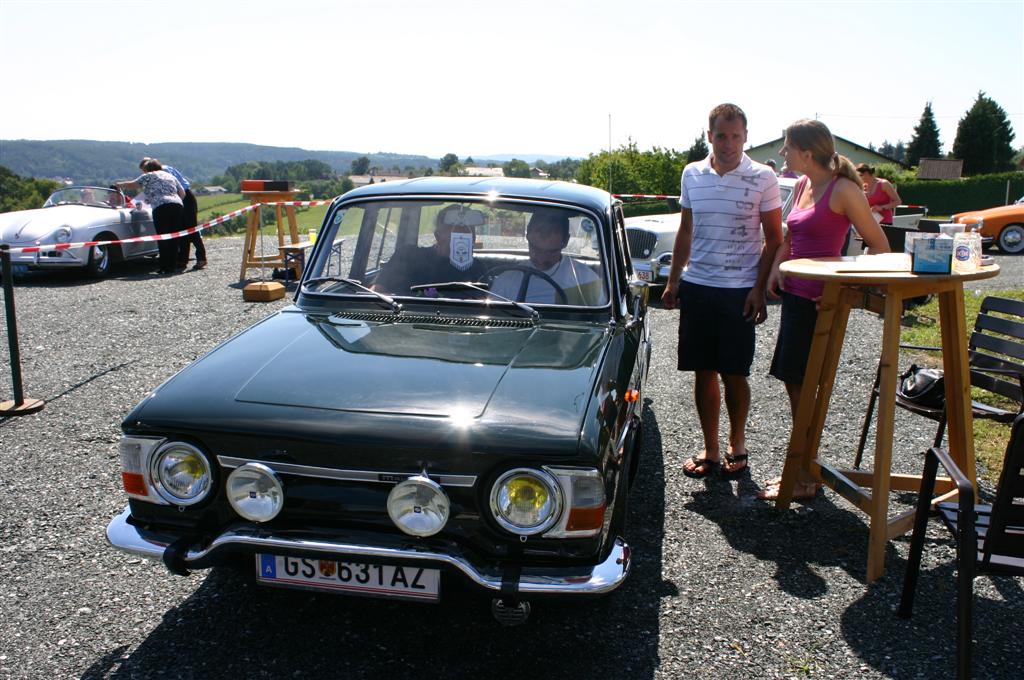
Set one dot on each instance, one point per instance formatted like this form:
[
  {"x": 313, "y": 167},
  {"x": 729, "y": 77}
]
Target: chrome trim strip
[
  {"x": 600, "y": 578},
  {"x": 377, "y": 476}
]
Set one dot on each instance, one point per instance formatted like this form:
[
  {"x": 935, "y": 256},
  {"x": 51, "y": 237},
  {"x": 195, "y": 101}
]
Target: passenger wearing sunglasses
[{"x": 441, "y": 262}]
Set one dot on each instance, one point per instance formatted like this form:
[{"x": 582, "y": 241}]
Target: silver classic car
[{"x": 75, "y": 215}]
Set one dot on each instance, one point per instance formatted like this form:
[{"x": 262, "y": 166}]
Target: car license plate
[
  {"x": 378, "y": 580},
  {"x": 644, "y": 276},
  {"x": 19, "y": 269}
]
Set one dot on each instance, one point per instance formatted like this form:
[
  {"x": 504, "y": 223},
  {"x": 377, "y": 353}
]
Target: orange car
[{"x": 1005, "y": 225}]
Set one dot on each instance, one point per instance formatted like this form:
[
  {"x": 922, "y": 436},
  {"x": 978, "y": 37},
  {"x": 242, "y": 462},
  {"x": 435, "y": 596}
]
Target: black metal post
[{"x": 19, "y": 406}]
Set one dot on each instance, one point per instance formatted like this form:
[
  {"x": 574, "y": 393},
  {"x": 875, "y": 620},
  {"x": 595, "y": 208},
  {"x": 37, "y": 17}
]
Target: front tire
[
  {"x": 98, "y": 265},
  {"x": 1011, "y": 239}
]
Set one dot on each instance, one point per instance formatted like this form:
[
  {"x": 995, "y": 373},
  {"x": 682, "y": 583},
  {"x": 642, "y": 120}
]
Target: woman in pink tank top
[
  {"x": 882, "y": 196},
  {"x": 828, "y": 199}
]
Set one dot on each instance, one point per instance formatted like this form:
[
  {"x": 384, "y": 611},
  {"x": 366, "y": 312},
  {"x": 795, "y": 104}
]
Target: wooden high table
[
  {"x": 880, "y": 283},
  {"x": 252, "y": 230}
]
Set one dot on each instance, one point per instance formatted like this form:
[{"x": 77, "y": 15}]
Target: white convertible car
[{"x": 75, "y": 215}]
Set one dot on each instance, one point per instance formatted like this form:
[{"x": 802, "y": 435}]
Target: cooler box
[{"x": 266, "y": 185}]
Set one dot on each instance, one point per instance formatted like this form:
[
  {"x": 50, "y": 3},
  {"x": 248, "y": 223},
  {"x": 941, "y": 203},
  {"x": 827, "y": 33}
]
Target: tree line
[{"x": 983, "y": 141}]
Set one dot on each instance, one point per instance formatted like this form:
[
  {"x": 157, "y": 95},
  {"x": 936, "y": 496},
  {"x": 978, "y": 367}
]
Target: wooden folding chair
[
  {"x": 995, "y": 353},
  {"x": 989, "y": 538}
]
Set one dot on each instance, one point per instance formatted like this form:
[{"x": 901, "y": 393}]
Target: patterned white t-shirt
[
  {"x": 727, "y": 220},
  {"x": 160, "y": 187}
]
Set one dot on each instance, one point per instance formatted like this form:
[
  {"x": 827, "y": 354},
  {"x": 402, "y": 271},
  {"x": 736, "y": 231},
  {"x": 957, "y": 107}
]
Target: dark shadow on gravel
[
  {"x": 133, "y": 269},
  {"x": 924, "y": 645},
  {"x": 809, "y": 536},
  {"x": 230, "y": 627},
  {"x": 94, "y": 376}
]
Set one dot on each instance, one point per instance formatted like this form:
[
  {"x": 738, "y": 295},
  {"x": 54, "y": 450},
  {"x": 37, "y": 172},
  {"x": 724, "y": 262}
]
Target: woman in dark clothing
[{"x": 166, "y": 196}]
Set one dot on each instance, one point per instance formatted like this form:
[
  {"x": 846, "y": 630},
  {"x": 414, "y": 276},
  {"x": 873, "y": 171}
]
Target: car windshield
[
  {"x": 528, "y": 253},
  {"x": 94, "y": 196}
]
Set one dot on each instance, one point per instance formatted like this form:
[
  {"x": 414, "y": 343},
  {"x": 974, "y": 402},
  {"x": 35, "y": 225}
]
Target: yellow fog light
[{"x": 526, "y": 501}]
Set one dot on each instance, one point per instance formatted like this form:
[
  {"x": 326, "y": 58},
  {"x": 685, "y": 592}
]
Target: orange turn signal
[
  {"x": 632, "y": 395},
  {"x": 583, "y": 519},
  {"x": 134, "y": 483}
]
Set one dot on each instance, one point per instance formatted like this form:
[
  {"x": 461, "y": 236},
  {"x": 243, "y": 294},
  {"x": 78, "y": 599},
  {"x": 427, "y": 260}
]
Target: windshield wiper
[
  {"x": 472, "y": 286},
  {"x": 386, "y": 299}
]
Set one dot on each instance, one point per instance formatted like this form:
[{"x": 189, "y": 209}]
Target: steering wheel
[{"x": 527, "y": 271}]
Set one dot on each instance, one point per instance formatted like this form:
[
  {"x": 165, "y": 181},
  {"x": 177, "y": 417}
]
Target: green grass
[
  {"x": 213, "y": 206},
  {"x": 921, "y": 327}
]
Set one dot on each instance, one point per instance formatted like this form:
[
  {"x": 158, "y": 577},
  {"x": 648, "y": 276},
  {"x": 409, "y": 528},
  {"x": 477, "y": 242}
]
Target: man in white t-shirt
[
  {"x": 727, "y": 202},
  {"x": 547, "y": 234}
]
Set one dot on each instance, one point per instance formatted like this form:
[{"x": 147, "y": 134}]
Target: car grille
[
  {"x": 641, "y": 242},
  {"x": 387, "y": 317}
]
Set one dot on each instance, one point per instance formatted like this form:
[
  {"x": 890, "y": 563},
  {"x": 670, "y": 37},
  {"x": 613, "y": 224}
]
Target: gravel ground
[{"x": 723, "y": 585}]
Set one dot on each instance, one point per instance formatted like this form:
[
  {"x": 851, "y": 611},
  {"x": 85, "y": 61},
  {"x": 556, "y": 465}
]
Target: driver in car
[
  {"x": 547, "y": 235},
  {"x": 115, "y": 199},
  {"x": 449, "y": 259}
]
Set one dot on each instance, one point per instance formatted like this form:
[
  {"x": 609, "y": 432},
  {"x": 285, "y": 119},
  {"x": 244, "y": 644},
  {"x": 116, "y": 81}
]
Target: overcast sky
[{"x": 525, "y": 77}]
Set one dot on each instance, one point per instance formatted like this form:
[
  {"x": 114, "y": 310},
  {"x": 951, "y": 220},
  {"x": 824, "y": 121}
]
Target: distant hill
[
  {"x": 92, "y": 162},
  {"x": 528, "y": 157}
]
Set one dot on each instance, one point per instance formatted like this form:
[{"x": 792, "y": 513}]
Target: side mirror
[{"x": 639, "y": 291}]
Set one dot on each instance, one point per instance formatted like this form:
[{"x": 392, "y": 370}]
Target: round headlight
[
  {"x": 526, "y": 501},
  {"x": 418, "y": 506},
  {"x": 62, "y": 235},
  {"x": 181, "y": 473},
  {"x": 255, "y": 492}
]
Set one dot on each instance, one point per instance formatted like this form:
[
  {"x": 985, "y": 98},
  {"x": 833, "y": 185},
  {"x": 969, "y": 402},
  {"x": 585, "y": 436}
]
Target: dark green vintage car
[{"x": 455, "y": 394}]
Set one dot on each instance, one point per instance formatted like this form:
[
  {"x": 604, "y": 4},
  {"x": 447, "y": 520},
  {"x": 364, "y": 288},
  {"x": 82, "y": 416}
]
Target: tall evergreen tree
[
  {"x": 983, "y": 138},
  {"x": 925, "y": 142},
  {"x": 698, "y": 151}
]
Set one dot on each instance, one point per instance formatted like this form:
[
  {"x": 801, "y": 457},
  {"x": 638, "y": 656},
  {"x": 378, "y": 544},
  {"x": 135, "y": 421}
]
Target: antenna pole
[{"x": 609, "y": 153}]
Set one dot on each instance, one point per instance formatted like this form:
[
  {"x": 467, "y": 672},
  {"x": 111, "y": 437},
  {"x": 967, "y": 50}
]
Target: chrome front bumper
[
  {"x": 595, "y": 580},
  {"x": 49, "y": 259}
]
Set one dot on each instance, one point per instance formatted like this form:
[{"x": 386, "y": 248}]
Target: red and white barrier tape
[
  {"x": 162, "y": 237},
  {"x": 658, "y": 196}
]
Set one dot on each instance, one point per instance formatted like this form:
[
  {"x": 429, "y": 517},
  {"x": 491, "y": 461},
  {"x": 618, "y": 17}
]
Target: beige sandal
[{"x": 803, "y": 491}]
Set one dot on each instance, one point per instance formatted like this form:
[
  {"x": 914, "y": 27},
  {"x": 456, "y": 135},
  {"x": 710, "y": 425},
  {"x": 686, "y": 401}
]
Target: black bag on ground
[{"x": 923, "y": 386}]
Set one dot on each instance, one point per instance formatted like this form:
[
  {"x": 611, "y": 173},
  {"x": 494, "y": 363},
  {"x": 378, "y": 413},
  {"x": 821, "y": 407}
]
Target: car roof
[{"x": 505, "y": 187}]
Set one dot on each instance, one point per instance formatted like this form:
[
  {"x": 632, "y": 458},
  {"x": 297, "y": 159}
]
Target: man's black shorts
[{"x": 713, "y": 335}]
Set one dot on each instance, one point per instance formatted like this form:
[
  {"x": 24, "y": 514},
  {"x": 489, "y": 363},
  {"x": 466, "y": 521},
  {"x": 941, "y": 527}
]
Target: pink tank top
[
  {"x": 879, "y": 197},
  {"x": 815, "y": 231}
]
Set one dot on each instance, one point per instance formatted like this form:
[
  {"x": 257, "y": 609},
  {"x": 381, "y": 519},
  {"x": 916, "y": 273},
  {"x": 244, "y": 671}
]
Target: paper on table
[{"x": 884, "y": 262}]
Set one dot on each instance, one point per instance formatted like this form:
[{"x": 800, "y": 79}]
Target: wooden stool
[
  {"x": 252, "y": 230},
  {"x": 294, "y": 256}
]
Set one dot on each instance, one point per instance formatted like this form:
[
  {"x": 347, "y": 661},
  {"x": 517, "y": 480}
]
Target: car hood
[
  {"x": 308, "y": 370},
  {"x": 989, "y": 213},
  {"x": 25, "y": 226}
]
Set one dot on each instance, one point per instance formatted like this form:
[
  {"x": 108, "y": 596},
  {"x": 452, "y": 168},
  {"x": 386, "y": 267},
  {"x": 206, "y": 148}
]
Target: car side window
[{"x": 621, "y": 254}]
